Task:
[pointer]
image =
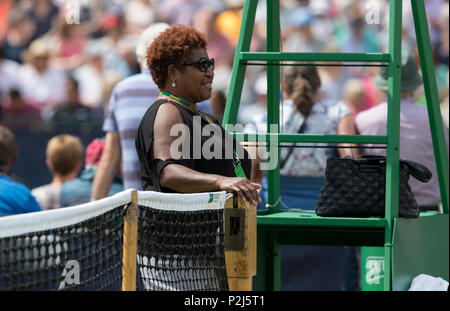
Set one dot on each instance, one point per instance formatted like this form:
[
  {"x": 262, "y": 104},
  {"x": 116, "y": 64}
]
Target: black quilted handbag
[{"x": 356, "y": 187}]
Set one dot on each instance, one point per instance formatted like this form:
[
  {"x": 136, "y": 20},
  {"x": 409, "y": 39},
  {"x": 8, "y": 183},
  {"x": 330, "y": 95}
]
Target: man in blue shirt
[{"x": 15, "y": 198}]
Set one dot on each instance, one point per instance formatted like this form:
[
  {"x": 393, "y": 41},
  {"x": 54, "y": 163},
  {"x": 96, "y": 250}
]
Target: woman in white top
[
  {"x": 302, "y": 171},
  {"x": 302, "y": 168}
]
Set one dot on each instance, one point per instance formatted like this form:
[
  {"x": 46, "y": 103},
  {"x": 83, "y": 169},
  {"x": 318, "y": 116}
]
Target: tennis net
[
  {"x": 76, "y": 248},
  {"x": 180, "y": 241},
  {"x": 179, "y": 245}
]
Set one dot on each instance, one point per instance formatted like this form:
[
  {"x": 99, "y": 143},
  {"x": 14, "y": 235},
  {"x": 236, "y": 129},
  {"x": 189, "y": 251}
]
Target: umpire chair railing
[{"x": 277, "y": 227}]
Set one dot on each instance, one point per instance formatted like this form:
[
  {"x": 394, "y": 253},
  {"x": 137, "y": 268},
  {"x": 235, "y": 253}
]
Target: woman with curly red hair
[{"x": 174, "y": 139}]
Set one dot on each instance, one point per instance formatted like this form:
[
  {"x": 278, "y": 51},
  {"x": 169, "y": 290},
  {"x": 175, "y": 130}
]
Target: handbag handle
[
  {"x": 300, "y": 131},
  {"x": 417, "y": 170}
]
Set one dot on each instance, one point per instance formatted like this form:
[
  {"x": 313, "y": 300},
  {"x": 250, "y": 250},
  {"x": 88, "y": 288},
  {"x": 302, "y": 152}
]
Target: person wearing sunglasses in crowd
[{"x": 180, "y": 66}]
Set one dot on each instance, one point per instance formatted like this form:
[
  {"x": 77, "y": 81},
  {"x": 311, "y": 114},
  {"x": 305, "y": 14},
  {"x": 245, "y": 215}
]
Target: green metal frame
[{"x": 276, "y": 227}]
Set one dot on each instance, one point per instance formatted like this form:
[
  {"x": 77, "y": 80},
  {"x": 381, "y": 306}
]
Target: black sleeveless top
[{"x": 206, "y": 148}]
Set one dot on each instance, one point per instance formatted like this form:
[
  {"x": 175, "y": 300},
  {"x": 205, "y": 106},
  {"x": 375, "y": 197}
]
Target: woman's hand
[{"x": 246, "y": 190}]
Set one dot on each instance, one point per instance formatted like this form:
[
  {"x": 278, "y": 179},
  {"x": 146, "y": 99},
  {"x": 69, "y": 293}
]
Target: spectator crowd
[{"x": 59, "y": 59}]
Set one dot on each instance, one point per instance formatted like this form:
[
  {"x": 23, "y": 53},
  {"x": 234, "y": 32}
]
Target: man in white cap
[
  {"x": 130, "y": 99},
  {"x": 415, "y": 135}
]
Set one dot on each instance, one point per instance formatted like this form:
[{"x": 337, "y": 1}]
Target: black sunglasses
[{"x": 202, "y": 64}]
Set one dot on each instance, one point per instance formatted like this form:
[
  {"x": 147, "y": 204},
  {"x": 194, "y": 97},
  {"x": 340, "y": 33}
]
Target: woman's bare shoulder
[
  {"x": 168, "y": 115},
  {"x": 167, "y": 119}
]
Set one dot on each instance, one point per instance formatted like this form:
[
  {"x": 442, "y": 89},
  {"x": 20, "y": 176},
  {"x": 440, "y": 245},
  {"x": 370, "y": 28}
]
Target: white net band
[
  {"x": 15, "y": 225},
  {"x": 182, "y": 202}
]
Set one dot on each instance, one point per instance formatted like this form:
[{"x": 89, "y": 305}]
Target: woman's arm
[
  {"x": 107, "y": 167},
  {"x": 257, "y": 174},
  {"x": 184, "y": 179},
  {"x": 346, "y": 126}
]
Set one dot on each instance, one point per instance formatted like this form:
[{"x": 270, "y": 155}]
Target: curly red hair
[{"x": 173, "y": 46}]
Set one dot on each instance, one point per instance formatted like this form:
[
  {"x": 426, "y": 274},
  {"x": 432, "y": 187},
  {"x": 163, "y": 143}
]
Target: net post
[
  {"x": 130, "y": 245},
  {"x": 240, "y": 259}
]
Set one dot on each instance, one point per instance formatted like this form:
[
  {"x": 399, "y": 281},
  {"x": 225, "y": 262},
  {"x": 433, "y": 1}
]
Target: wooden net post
[
  {"x": 130, "y": 245},
  {"x": 240, "y": 243}
]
